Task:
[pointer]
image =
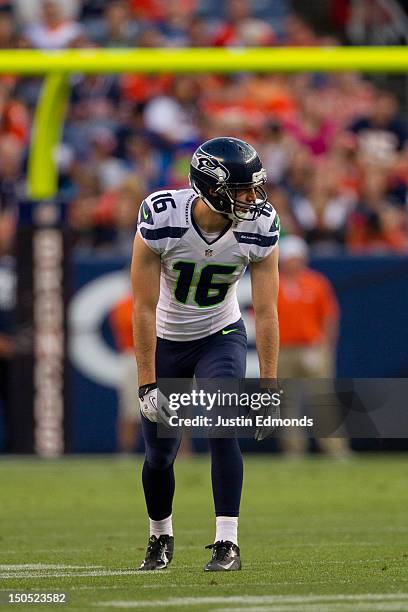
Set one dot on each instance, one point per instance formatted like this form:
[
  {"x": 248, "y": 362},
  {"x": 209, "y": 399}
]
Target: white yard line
[
  {"x": 326, "y": 544},
  {"x": 193, "y": 585},
  {"x": 40, "y": 566},
  {"x": 43, "y": 570},
  {"x": 79, "y": 574},
  {"x": 261, "y": 599},
  {"x": 55, "y": 570},
  {"x": 343, "y": 607},
  {"x": 37, "y": 551},
  {"x": 44, "y": 566},
  {"x": 95, "y": 587}
]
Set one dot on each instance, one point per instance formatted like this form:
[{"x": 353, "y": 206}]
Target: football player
[{"x": 191, "y": 248}]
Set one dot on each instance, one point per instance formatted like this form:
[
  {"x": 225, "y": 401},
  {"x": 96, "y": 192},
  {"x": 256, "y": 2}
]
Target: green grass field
[{"x": 315, "y": 535}]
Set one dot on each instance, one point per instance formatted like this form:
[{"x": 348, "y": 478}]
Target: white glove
[{"x": 153, "y": 404}]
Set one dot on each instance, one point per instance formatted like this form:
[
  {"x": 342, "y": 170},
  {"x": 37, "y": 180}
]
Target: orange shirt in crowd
[
  {"x": 305, "y": 303},
  {"x": 120, "y": 319}
]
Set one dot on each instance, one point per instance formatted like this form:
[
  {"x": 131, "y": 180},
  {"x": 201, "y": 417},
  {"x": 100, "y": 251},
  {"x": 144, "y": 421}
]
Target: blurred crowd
[{"x": 334, "y": 145}]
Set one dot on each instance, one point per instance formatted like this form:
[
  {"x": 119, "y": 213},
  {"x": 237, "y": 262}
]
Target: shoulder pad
[
  {"x": 159, "y": 220},
  {"x": 261, "y": 235}
]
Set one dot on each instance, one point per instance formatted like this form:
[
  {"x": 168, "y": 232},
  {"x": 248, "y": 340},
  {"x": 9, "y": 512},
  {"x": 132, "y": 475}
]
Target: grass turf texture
[{"x": 315, "y": 535}]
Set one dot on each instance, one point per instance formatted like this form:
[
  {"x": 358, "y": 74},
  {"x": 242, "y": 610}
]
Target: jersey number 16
[{"x": 207, "y": 293}]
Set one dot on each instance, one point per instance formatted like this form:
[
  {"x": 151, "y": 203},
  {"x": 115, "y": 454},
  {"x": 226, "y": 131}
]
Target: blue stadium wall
[{"x": 373, "y": 297}]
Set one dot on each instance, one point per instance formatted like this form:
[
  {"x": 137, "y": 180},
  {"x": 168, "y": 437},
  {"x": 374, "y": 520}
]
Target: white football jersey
[{"x": 199, "y": 278}]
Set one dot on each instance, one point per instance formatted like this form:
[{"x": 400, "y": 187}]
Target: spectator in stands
[
  {"x": 28, "y": 12},
  {"x": 7, "y": 32},
  {"x": 241, "y": 29},
  {"x": 125, "y": 211},
  {"x": 312, "y": 127},
  {"x": 151, "y": 37},
  {"x": 117, "y": 29},
  {"x": 143, "y": 159},
  {"x": 276, "y": 149},
  {"x": 87, "y": 232},
  {"x": 343, "y": 158},
  {"x": 398, "y": 181},
  {"x": 298, "y": 178},
  {"x": 379, "y": 222},
  {"x": 131, "y": 124},
  {"x": 94, "y": 105},
  {"x": 308, "y": 320},
  {"x": 345, "y": 96},
  {"x": 382, "y": 135},
  {"x": 6, "y": 6},
  {"x": 14, "y": 118},
  {"x": 148, "y": 10},
  {"x": 323, "y": 211},
  {"x": 175, "y": 23},
  {"x": 173, "y": 118},
  {"x": 11, "y": 189},
  {"x": 92, "y": 9},
  {"x": 298, "y": 33},
  {"x": 280, "y": 200},
  {"x": 199, "y": 34},
  {"x": 110, "y": 170},
  {"x": 117, "y": 209},
  {"x": 53, "y": 30}
]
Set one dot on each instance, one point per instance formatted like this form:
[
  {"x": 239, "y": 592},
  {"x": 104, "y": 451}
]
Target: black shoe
[
  {"x": 159, "y": 553},
  {"x": 225, "y": 557}
]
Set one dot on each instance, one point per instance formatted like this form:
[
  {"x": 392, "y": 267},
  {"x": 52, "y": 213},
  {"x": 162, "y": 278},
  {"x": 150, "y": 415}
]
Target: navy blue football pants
[{"x": 216, "y": 356}]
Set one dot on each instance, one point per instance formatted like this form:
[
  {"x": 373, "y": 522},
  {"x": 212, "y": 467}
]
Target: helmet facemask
[{"x": 242, "y": 210}]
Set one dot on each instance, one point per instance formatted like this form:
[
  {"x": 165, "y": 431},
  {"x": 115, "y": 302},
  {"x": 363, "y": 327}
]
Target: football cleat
[
  {"x": 159, "y": 553},
  {"x": 225, "y": 557}
]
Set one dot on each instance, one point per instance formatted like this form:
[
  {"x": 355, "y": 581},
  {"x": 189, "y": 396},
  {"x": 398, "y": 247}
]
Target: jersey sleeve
[
  {"x": 158, "y": 222},
  {"x": 258, "y": 239}
]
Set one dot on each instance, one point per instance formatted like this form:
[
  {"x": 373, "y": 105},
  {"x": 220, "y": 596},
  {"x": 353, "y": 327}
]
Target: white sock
[
  {"x": 163, "y": 527},
  {"x": 226, "y": 529}
]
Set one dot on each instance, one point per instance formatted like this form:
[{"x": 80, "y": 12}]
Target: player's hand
[
  {"x": 268, "y": 413},
  {"x": 153, "y": 404}
]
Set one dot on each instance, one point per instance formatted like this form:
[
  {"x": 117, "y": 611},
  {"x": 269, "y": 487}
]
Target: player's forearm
[
  {"x": 267, "y": 344},
  {"x": 144, "y": 338}
]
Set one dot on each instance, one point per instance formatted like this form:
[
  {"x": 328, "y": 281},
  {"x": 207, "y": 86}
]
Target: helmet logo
[
  {"x": 210, "y": 165},
  {"x": 259, "y": 177}
]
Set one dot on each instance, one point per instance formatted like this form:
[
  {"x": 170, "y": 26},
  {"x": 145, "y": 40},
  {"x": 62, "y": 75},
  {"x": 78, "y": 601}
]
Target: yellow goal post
[{"x": 57, "y": 66}]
